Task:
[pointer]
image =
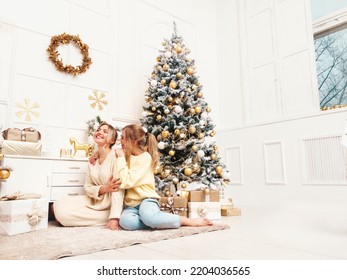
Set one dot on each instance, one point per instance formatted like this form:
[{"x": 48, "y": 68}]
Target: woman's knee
[{"x": 130, "y": 221}]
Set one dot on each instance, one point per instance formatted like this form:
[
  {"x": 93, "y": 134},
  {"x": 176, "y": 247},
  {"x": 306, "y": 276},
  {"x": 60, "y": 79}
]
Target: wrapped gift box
[
  {"x": 203, "y": 196},
  {"x": 231, "y": 212},
  {"x": 210, "y": 210},
  {"x": 176, "y": 205},
  {"x": 21, "y": 148},
  {"x": 19, "y": 216}
]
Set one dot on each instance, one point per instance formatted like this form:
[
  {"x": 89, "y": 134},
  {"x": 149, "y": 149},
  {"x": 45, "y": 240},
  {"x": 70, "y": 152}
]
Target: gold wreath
[{"x": 54, "y": 54}]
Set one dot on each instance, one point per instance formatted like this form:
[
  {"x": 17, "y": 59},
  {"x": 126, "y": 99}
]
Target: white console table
[{"x": 50, "y": 177}]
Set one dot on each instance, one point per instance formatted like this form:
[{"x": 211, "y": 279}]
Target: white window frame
[{"x": 331, "y": 23}]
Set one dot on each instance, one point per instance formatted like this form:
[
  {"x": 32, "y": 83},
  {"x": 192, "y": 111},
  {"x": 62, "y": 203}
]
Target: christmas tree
[{"x": 176, "y": 112}]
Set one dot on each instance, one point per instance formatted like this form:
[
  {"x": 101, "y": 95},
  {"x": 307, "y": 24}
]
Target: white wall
[
  {"x": 124, "y": 37},
  {"x": 269, "y": 104}
]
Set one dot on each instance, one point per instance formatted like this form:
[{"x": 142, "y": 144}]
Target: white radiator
[{"x": 324, "y": 160}]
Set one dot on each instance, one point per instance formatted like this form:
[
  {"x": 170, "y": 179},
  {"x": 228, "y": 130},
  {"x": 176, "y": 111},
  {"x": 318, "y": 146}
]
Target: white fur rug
[{"x": 57, "y": 242}]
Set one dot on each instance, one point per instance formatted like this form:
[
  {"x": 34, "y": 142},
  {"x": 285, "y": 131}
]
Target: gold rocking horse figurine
[{"x": 88, "y": 148}]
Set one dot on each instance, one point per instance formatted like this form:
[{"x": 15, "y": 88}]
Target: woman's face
[{"x": 100, "y": 135}]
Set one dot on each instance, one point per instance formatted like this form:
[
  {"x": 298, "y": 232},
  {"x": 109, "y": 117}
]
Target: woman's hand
[
  {"x": 112, "y": 185},
  {"x": 113, "y": 224}
]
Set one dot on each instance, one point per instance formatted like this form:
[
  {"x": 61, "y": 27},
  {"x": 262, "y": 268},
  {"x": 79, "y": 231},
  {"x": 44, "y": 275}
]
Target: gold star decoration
[
  {"x": 27, "y": 110},
  {"x": 97, "y": 100}
]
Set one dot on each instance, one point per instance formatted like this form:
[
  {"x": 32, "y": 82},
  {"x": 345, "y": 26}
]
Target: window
[{"x": 330, "y": 38}]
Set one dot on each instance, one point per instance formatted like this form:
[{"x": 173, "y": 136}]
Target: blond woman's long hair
[{"x": 134, "y": 134}]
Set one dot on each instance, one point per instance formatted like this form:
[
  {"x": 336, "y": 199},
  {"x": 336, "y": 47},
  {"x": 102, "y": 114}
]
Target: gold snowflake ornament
[
  {"x": 27, "y": 109},
  {"x": 97, "y": 100}
]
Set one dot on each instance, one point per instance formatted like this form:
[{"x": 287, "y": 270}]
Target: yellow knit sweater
[{"x": 137, "y": 178}]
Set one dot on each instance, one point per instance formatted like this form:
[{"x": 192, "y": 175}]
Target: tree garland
[{"x": 54, "y": 54}]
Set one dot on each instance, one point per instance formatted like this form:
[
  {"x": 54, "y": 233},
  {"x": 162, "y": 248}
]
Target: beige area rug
[{"x": 57, "y": 242}]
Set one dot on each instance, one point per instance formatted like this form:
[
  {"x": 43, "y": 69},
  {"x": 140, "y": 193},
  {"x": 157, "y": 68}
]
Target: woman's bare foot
[{"x": 195, "y": 222}]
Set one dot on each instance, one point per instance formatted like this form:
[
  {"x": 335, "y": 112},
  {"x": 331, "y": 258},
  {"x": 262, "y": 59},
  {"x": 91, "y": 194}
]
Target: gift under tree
[{"x": 177, "y": 113}]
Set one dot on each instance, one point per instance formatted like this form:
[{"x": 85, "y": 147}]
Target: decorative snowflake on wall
[
  {"x": 97, "y": 100},
  {"x": 27, "y": 110}
]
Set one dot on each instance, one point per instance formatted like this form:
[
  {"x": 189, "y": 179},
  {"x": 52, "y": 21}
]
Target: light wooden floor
[{"x": 260, "y": 233}]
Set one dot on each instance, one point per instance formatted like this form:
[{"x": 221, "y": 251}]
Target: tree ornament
[
  {"x": 175, "y": 180},
  {"x": 154, "y": 108},
  {"x": 213, "y": 156},
  {"x": 154, "y": 83},
  {"x": 183, "y": 185},
  {"x": 204, "y": 115},
  {"x": 213, "y": 133},
  {"x": 192, "y": 111},
  {"x": 198, "y": 109},
  {"x": 161, "y": 145},
  {"x": 219, "y": 170},
  {"x": 195, "y": 148},
  {"x": 202, "y": 122},
  {"x": 190, "y": 71},
  {"x": 183, "y": 135},
  {"x": 159, "y": 118},
  {"x": 192, "y": 129},
  {"x": 171, "y": 153},
  {"x": 163, "y": 81},
  {"x": 208, "y": 109},
  {"x": 200, "y": 135},
  {"x": 178, "y": 109},
  {"x": 177, "y": 132},
  {"x": 166, "y": 111},
  {"x": 201, "y": 154},
  {"x": 158, "y": 58},
  {"x": 188, "y": 171},
  {"x": 166, "y": 67},
  {"x": 170, "y": 99},
  {"x": 179, "y": 75},
  {"x": 165, "y": 134},
  {"x": 159, "y": 68},
  {"x": 168, "y": 54},
  {"x": 199, "y": 94},
  {"x": 173, "y": 84}
]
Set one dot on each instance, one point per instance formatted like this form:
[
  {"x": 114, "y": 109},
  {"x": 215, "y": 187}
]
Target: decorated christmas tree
[{"x": 177, "y": 113}]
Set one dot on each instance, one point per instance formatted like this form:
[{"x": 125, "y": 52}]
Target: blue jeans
[{"x": 148, "y": 215}]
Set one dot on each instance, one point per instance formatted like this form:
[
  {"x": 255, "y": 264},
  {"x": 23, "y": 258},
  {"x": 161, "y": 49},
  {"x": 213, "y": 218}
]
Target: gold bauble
[
  {"x": 154, "y": 108},
  {"x": 213, "y": 133},
  {"x": 190, "y": 71},
  {"x": 219, "y": 169},
  {"x": 153, "y": 75},
  {"x": 166, "y": 111},
  {"x": 177, "y": 132},
  {"x": 183, "y": 135},
  {"x": 195, "y": 166},
  {"x": 4, "y": 174},
  {"x": 192, "y": 129},
  {"x": 178, "y": 49},
  {"x": 195, "y": 148},
  {"x": 192, "y": 111},
  {"x": 199, "y": 94},
  {"x": 215, "y": 147},
  {"x": 163, "y": 81},
  {"x": 188, "y": 171},
  {"x": 170, "y": 99},
  {"x": 200, "y": 135},
  {"x": 170, "y": 106},
  {"x": 165, "y": 133},
  {"x": 208, "y": 109},
  {"x": 173, "y": 84},
  {"x": 159, "y": 117},
  {"x": 175, "y": 180},
  {"x": 171, "y": 153},
  {"x": 206, "y": 191},
  {"x": 213, "y": 156},
  {"x": 198, "y": 109},
  {"x": 179, "y": 75},
  {"x": 167, "y": 193},
  {"x": 158, "y": 58},
  {"x": 159, "y": 68},
  {"x": 166, "y": 67},
  {"x": 183, "y": 185}
]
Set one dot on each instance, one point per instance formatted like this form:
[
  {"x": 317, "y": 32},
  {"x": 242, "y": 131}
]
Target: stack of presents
[{"x": 204, "y": 203}]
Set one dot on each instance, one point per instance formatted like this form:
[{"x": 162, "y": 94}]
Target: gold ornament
[
  {"x": 163, "y": 81},
  {"x": 199, "y": 94},
  {"x": 170, "y": 106},
  {"x": 195, "y": 148},
  {"x": 177, "y": 132},
  {"x": 219, "y": 170},
  {"x": 175, "y": 180},
  {"x": 58, "y": 63},
  {"x": 179, "y": 75},
  {"x": 154, "y": 108},
  {"x": 97, "y": 100},
  {"x": 215, "y": 147},
  {"x": 192, "y": 111},
  {"x": 213, "y": 133},
  {"x": 158, "y": 59},
  {"x": 192, "y": 129},
  {"x": 213, "y": 156},
  {"x": 4, "y": 173},
  {"x": 167, "y": 193},
  {"x": 173, "y": 84},
  {"x": 166, "y": 67},
  {"x": 178, "y": 49},
  {"x": 170, "y": 99},
  {"x": 208, "y": 109},
  {"x": 159, "y": 118},
  {"x": 206, "y": 191},
  {"x": 166, "y": 111},
  {"x": 198, "y": 109},
  {"x": 159, "y": 68},
  {"x": 188, "y": 171},
  {"x": 190, "y": 71},
  {"x": 171, "y": 153},
  {"x": 87, "y": 148},
  {"x": 153, "y": 75},
  {"x": 183, "y": 135},
  {"x": 183, "y": 185},
  {"x": 165, "y": 134},
  {"x": 200, "y": 135}
]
